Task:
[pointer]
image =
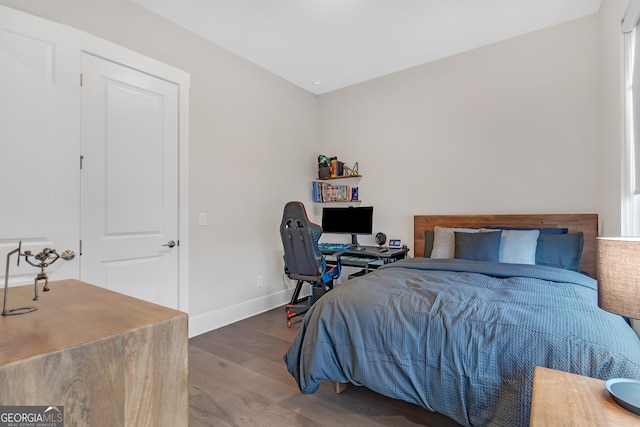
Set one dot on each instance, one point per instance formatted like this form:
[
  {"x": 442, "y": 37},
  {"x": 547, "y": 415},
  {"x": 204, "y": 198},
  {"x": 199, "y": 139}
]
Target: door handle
[{"x": 170, "y": 243}]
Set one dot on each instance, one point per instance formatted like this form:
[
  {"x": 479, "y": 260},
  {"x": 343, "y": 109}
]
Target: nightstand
[{"x": 564, "y": 399}]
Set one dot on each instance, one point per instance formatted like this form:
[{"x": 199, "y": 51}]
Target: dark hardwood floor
[{"x": 237, "y": 378}]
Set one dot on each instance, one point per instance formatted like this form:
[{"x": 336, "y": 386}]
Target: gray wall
[
  {"x": 512, "y": 127},
  {"x": 253, "y": 138},
  {"x": 531, "y": 124}
]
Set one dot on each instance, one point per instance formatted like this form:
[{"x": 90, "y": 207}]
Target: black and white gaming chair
[{"x": 303, "y": 260}]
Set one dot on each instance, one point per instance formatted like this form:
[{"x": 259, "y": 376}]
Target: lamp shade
[{"x": 618, "y": 266}]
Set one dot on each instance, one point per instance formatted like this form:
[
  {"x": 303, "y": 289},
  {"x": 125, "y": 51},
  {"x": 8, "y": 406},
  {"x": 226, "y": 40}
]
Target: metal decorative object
[{"x": 40, "y": 260}]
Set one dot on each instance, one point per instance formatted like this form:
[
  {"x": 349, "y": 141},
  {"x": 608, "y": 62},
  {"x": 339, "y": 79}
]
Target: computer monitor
[{"x": 348, "y": 220}]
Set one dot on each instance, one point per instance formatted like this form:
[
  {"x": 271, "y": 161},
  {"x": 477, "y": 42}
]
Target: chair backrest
[{"x": 302, "y": 258}]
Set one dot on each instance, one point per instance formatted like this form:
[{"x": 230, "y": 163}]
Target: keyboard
[
  {"x": 359, "y": 259},
  {"x": 334, "y": 246}
]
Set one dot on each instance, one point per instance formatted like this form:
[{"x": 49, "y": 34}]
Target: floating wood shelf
[{"x": 329, "y": 178}]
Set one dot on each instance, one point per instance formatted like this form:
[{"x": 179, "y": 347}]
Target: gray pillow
[
  {"x": 428, "y": 243},
  {"x": 478, "y": 246}
]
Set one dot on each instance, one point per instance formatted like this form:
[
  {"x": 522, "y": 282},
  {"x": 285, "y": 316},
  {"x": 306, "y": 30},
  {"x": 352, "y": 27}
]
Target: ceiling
[{"x": 323, "y": 45}]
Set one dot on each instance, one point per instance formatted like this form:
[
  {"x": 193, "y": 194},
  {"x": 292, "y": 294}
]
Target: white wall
[
  {"x": 508, "y": 128},
  {"x": 253, "y": 138},
  {"x": 526, "y": 125}
]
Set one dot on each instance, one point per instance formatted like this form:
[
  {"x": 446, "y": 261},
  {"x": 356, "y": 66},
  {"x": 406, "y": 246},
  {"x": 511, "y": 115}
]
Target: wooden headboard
[{"x": 587, "y": 223}]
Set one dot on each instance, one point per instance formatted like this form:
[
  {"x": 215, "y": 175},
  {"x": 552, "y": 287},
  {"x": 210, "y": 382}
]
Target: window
[{"x": 631, "y": 167}]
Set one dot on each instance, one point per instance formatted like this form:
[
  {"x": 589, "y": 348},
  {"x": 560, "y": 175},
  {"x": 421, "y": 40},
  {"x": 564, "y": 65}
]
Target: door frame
[{"x": 109, "y": 51}]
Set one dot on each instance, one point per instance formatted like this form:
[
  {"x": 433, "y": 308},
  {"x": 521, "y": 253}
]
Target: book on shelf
[{"x": 325, "y": 192}]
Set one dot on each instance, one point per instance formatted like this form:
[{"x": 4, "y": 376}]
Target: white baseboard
[{"x": 203, "y": 323}]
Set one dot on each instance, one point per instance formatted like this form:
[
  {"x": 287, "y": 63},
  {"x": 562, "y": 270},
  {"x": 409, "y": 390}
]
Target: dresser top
[
  {"x": 565, "y": 399},
  {"x": 71, "y": 313}
]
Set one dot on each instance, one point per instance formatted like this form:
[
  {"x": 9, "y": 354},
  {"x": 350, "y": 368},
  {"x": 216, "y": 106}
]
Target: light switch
[{"x": 202, "y": 219}]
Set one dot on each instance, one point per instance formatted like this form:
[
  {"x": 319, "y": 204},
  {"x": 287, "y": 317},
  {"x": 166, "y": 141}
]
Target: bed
[{"x": 462, "y": 335}]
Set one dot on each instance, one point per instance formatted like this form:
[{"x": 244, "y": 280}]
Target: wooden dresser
[
  {"x": 109, "y": 359},
  {"x": 564, "y": 399}
]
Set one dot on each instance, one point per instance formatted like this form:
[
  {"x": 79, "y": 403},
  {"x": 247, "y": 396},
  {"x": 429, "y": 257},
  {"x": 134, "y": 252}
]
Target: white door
[
  {"x": 129, "y": 181},
  {"x": 39, "y": 146}
]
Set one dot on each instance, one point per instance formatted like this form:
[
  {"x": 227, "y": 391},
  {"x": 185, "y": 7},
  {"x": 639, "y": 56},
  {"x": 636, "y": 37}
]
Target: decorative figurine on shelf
[{"x": 42, "y": 260}]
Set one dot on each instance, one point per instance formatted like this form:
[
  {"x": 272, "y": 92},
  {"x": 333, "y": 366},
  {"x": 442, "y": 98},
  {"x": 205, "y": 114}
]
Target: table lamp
[{"x": 618, "y": 266}]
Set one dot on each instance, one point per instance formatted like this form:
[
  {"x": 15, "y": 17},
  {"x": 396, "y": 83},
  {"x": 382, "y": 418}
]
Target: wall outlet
[{"x": 259, "y": 281}]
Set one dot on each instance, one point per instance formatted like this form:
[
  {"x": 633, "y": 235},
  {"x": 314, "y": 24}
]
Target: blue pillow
[
  {"x": 541, "y": 230},
  {"x": 519, "y": 246},
  {"x": 560, "y": 250},
  {"x": 478, "y": 246}
]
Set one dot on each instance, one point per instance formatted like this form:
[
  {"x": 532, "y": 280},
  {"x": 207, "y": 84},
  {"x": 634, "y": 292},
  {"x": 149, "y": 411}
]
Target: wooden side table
[{"x": 564, "y": 399}]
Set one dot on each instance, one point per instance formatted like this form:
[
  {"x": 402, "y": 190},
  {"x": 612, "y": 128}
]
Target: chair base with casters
[{"x": 303, "y": 260}]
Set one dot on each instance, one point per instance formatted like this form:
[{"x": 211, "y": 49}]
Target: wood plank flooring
[{"x": 237, "y": 378}]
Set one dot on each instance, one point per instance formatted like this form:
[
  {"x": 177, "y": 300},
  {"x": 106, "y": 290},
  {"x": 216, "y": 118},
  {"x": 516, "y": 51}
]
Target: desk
[
  {"x": 109, "y": 359},
  {"x": 564, "y": 399},
  {"x": 368, "y": 257}
]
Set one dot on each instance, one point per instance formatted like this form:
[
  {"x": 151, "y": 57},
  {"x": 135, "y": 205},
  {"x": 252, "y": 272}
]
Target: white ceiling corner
[{"x": 339, "y": 43}]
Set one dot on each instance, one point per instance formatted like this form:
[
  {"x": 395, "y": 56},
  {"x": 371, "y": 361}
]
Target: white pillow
[
  {"x": 519, "y": 246},
  {"x": 444, "y": 241}
]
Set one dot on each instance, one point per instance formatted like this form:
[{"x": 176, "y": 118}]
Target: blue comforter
[{"x": 461, "y": 337}]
